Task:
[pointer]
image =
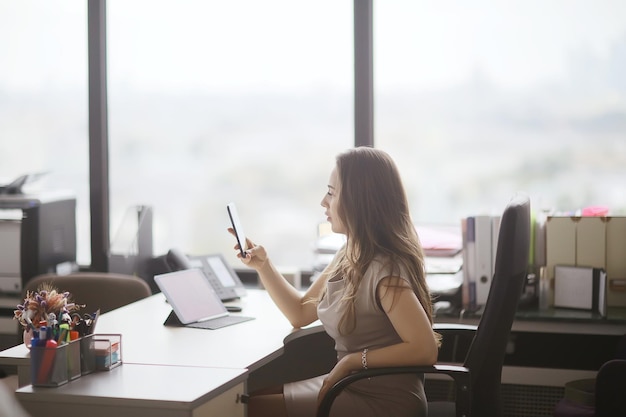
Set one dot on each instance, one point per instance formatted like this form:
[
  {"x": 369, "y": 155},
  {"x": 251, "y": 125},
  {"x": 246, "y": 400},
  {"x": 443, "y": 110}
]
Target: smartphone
[{"x": 236, "y": 224}]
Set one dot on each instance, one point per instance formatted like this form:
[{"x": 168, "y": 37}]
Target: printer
[{"x": 37, "y": 235}]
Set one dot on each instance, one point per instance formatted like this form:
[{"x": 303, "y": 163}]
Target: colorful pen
[{"x": 47, "y": 361}]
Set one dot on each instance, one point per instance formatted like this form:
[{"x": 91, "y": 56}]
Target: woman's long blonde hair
[{"x": 375, "y": 211}]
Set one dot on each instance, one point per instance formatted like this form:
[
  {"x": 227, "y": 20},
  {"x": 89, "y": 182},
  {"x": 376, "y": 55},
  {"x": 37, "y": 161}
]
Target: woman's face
[{"x": 331, "y": 203}]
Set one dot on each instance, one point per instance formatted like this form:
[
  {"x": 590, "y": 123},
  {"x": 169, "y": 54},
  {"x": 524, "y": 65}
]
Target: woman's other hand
[{"x": 342, "y": 369}]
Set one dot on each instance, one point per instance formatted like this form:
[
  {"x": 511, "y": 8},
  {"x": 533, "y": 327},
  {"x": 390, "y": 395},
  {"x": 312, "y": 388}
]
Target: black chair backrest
[
  {"x": 486, "y": 353},
  {"x": 610, "y": 388}
]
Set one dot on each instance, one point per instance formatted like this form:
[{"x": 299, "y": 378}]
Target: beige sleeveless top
[{"x": 394, "y": 395}]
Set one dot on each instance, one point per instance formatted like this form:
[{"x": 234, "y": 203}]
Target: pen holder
[
  {"x": 87, "y": 354},
  {"x": 108, "y": 351},
  {"x": 49, "y": 365},
  {"x": 73, "y": 359}
]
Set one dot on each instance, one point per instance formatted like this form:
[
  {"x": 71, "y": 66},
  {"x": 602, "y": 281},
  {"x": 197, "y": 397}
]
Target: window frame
[{"x": 98, "y": 115}]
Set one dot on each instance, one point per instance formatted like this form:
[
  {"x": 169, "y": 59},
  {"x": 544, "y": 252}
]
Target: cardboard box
[
  {"x": 594, "y": 241},
  {"x": 591, "y": 242},
  {"x": 560, "y": 242},
  {"x": 616, "y": 261}
]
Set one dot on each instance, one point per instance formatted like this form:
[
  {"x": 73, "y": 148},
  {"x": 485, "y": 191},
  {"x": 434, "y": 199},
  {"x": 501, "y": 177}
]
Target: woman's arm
[
  {"x": 409, "y": 319},
  {"x": 288, "y": 299},
  {"x": 419, "y": 345}
]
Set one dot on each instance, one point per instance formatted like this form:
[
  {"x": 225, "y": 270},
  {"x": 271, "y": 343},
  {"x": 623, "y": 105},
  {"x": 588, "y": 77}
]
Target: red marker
[{"x": 47, "y": 361}]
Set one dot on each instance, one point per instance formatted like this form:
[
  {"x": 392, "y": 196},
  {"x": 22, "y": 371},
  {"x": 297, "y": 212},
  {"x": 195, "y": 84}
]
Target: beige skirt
[{"x": 389, "y": 395}]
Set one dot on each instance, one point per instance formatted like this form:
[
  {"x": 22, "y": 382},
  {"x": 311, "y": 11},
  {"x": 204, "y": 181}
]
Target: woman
[{"x": 372, "y": 299}]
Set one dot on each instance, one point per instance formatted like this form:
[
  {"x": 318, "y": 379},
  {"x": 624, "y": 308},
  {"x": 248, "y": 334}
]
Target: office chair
[
  {"x": 610, "y": 388},
  {"x": 96, "y": 290},
  {"x": 602, "y": 396},
  {"x": 477, "y": 380}
]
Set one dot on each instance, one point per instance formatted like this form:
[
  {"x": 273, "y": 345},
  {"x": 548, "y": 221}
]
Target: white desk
[
  {"x": 264, "y": 348},
  {"x": 145, "y": 340},
  {"x": 160, "y": 361},
  {"x": 133, "y": 390}
]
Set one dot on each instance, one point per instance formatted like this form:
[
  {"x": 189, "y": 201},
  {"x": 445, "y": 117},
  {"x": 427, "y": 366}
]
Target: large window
[
  {"x": 43, "y": 101},
  {"x": 247, "y": 101},
  {"x": 219, "y": 101},
  {"x": 477, "y": 100}
]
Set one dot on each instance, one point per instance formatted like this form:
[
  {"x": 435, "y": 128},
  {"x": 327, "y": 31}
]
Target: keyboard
[{"x": 219, "y": 322}]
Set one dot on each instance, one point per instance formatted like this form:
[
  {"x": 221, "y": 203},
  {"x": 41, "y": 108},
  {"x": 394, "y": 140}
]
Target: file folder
[
  {"x": 483, "y": 261},
  {"x": 495, "y": 232},
  {"x": 469, "y": 282}
]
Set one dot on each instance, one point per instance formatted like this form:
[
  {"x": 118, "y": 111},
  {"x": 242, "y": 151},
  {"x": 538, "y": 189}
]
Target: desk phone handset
[{"x": 221, "y": 275}]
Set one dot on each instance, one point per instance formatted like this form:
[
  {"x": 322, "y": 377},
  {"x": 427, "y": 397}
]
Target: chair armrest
[
  {"x": 460, "y": 374},
  {"x": 456, "y": 341},
  {"x": 455, "y": 329}
]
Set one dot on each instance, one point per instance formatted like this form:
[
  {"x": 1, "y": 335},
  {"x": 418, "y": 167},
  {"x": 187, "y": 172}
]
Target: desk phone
[{"x": 222, "y": 276}]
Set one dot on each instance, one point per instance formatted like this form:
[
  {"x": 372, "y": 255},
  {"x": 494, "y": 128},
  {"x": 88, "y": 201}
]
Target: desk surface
[
  {"x": 145, "y": 340},
  {"x": 249, "y": 345},
  {"x": 211, "y": 367},
  {"x": 133, "y": 390},
  {"x": 556, "y": 320},
  {"x": 132, "y": 383},
  {"x": 246, "y": 345}
]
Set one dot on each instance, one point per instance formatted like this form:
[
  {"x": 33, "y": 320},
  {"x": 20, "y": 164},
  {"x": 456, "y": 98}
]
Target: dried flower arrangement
[{"x": 45, "y": 305}]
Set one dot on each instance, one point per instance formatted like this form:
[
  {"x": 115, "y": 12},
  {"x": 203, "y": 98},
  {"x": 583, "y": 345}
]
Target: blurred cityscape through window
[{"x": 247, "y": 101}]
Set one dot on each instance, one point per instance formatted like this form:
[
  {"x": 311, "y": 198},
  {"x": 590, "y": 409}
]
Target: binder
[
  {"x": 465, "y": 299},
  {"x": 483, "y": 260},
  {"x": 540, "y": 240},
  {"x": 580, "y": 287},
  {"x": 469, "y": 267},
  {"x": 495, "y": 232}
]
